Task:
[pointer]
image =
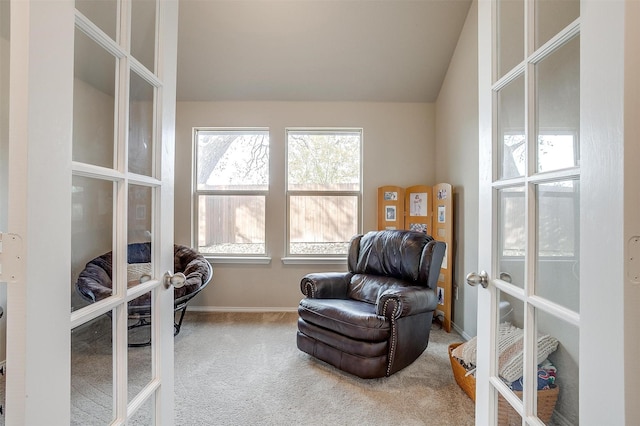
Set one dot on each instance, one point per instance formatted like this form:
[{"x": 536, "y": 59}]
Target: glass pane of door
[
  {"x": 558, "y": 370},
  {"x": 552, "y": 16},
  {"x": 143, "y": 32},
  {"x": 509, "y": 343},
  {"x": 93, "y": 103},
  {"x": 91, "y": 240},
  {"x": 141, "y": 148},
  {"x": 511, "y": 130},
  {"x": 511, "y": 235},
  {"x": 558, "y": 108},
  {"x": 139, "y": 241},
  {"x": 144, "y": 415},
  {"x": 103, "y": 13},
  {"x": 92, "y": 372},
  {"x": 510, "y": 49},
  {"x": 139, "y": 338},
  {"x": 507, "y": 415},
  {"x": 558, "y": 251}
]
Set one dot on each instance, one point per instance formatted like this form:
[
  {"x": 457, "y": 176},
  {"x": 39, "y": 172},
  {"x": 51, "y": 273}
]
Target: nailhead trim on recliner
[
  {"x": 309, "y": 290},
  {"x": 394, "y": 337}
]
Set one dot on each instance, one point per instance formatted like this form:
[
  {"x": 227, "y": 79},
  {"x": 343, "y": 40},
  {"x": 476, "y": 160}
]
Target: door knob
[
  {"x": 177, "y": 280},
  {"x": 473, "y": 279}
]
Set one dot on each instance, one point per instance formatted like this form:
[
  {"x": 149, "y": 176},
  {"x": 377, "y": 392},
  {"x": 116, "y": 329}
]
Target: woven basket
[{"x": 506, "y": 414}]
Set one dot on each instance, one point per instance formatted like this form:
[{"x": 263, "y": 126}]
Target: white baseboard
[
  {"x": 460, "y": 331},
  {"x": 239, "y": 309},
  {"x": 278, "y": 309}
]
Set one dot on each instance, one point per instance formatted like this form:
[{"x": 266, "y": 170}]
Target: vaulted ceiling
[{"x": 316, "y": 50}]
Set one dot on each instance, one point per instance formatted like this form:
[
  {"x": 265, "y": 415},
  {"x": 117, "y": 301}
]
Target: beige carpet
[{"x": 245, "y": 369}]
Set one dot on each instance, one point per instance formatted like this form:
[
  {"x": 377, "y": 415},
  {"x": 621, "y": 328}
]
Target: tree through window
[
  {"x": 324, "y": 171},
  {"x": 232, "y": 182}
]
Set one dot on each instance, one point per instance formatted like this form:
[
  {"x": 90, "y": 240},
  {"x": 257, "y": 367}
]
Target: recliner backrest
[{"x": 382, "y": 259}]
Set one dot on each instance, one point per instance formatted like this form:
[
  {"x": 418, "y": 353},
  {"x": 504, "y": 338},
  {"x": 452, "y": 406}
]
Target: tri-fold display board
[{"x": 426, "y": 209}]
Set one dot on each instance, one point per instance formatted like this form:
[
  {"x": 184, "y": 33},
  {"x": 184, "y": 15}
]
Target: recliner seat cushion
[
  {"x": 365, "y": 367},
  {"x": 343, "y": 344},
  {"x": 350, "y": 318}
]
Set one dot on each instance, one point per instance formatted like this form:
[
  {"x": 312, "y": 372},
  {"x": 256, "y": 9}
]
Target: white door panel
[
  {"x": 529, "y": 238},
  {"x": 91, "y": 131}
]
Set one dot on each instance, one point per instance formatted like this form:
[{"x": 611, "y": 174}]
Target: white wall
[
  {"x": 399, "y": 149},
  {"x": 457, "y": 163}
]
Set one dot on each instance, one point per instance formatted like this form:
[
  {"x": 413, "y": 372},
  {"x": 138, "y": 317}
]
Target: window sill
[
  {"x": 314, "y": 260},
  {"x": 255, "y": 260}
]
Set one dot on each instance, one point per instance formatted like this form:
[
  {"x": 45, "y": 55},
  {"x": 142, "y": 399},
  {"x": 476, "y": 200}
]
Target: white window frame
[
  {"x": 319, "y": 258},
  {"x": 262, "y": 258}
]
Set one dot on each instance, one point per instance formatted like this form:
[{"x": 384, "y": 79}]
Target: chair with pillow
[
  {"x": 374, "y": 319},
  {"x": 95, "y": 282}
]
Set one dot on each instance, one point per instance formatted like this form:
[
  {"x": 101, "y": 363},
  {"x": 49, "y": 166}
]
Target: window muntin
[
  {"x": 324, "y": 187},
  {"x": 231, "y": 187}
]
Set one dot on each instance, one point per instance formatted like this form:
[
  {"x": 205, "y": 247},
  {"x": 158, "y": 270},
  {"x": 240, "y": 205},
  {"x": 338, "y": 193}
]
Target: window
[
  {"x": 232, "y": 182},
  {"x": 324, "y": 190}
]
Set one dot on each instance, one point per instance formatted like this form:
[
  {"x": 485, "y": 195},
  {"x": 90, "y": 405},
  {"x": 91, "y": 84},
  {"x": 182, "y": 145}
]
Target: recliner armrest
[
  {"x": 404, "y": 301},
  {"x": 325, "y": 285}
]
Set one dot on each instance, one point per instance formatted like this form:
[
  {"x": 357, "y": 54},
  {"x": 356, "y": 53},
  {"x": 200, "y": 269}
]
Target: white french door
[
  {"x": 529, "y": 103},
  {"x": 91, "y": 153}
]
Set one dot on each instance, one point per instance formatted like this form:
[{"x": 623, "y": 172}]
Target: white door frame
[
  {"x": 39, "y": 295},
  {"x": 610, "y": 202},
  {"x": 167, "y": 71},
  {"x": 487, "y": 307},
  {"x": 40, "y": 172}
]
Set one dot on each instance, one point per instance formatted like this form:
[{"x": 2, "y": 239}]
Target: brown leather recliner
[{"x": 376, "y": 318}]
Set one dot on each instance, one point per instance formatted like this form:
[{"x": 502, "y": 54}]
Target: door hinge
[{"x": 10, "y": 257}]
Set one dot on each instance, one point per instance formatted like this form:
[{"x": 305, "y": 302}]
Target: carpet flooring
[{"x": 245, "y": 369}]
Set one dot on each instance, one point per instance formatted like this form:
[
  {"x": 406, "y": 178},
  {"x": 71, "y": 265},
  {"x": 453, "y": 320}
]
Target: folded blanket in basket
[{"x": 510, "y": 341}]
